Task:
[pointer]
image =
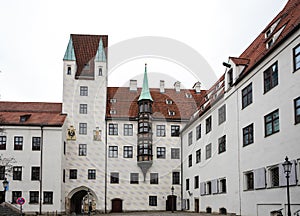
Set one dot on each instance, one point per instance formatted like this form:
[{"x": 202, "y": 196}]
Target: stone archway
[{"x": 74, "y": 200}]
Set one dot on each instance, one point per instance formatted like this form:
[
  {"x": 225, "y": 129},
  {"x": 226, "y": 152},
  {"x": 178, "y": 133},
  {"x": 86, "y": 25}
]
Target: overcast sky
[{"x": 34, "y": 36}]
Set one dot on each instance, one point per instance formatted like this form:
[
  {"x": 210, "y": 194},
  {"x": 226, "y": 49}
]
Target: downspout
[
  {"x": 239, "y": 153},
  {"x": 41, "y": 167},
  {"x": 181, "y": 167},
  {"x": 105, "y": 174}
]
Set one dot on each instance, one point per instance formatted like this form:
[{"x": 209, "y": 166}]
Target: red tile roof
[
  {"x": 85, "y": 48},
  {"x": 257, "y": 51},
  {"x": 38, "y": 113},
  {"x": 126, "y": 103}
]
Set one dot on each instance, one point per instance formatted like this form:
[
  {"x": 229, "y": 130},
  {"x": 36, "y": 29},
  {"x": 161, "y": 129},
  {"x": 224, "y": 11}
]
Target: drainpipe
[
  {"x": 41, "y": 167},
  {"x": 105, "y": 174},
  {"x": 181, "y": 167}
]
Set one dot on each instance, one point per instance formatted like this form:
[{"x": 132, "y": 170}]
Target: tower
[
  {"x": 84, "y": 102},
  {"x": 145, "y": 155}
]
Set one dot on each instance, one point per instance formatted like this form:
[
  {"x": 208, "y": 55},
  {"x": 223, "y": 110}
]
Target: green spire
[
  {"x": 100, "y": 55},
  {"x": 145, "y": 94},
  {"x": 69, "y": 54}
]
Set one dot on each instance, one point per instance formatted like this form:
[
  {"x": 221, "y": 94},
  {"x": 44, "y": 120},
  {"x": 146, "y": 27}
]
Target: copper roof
[
  {"x": 126, "y": 103},
  {"x": 37, "y": 113},
  {"x": 289, "y": 18}
]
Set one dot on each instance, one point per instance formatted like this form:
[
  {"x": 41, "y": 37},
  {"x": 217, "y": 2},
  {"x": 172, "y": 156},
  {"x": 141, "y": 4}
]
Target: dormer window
[
  {"x": 188, "y": 95},
  {"x": 230, "y": 77},
  {"x": 268, "y": 33},
  {"x": 206, "y": 98},
  {"x": 169, "y": 101},
  {"x": 171, "y": 113},
  {"x": 113, "y": 100},
  {"x": 69, "y": 70},
  {"x": 24, "y": 118},
  {"x": 113, "y": 112},
  {"x": 270, "y": 43}
]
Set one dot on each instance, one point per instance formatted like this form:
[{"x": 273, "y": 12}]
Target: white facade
[{"x": 268, "y": 151}]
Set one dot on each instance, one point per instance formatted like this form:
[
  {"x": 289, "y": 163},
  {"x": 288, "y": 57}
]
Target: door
[
  {"x": 196, "y": 205},
  {"x": 116, "y": 205},
  {"x": 171, "y": 203}
]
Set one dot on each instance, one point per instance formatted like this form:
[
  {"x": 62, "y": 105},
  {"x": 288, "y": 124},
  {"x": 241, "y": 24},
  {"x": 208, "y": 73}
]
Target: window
[
  {"x": 128, "y": 152},
  {"x": 128, "y": 129},
  {"x": 222, "y": 186},
  {"x": 113, "y": 151},
  {"x": 2, "y": 142},
  {"x": 198, "y": 156},
  {"x": 208, "y": 151},
  {"x": 208, "y": 124},
  {"x": 198, "y": 132},
  {"x": 187, "y": 184},
  {"x": 48, "y": 197},
  {"x": 271, "y": 78},
  {"x": 15, "y": 196},
  {"x": 274, "y": 176},
  {"x": 33, "y": 197},
  {"x": 152, "y": 200},
  {"x": 18, "y": 143},
  {"x": 83, "y": 108},
  {"x": 36, "y": 143},
  {"x": 230, "y": 77},
  {"x": 113, "y": 100},
  {"x": 2, "y": 172},
  {"x": 134, "y": 178},
  {"x": 222, "y": 114},
  {"x": 175, "y": 129},
  {"x": 144, "y": 127},
  {"x": 73, "y": 174},
  {"x": 83, "y": 91},
  {"x": 82, "y": 128},
  {"x": 208, "y": 187},
  {"x": 222, "y": 144},
  {"x": 160, "y": 130},
  {"x": 161, "y": 152},
  {"x": 297, "y": 57},
  {"x": 153, "y": 178},
  {"x": 190, "y": 138},
  {"x": 175, "y": 178},
  {"x": 190, "y": 160},
  {"x": 113, "y": 129},
  {"x": 17, "y": 173},
  {"x": 82, "y": 149},
  {"x": 249, "y": 181},
  {"x": 247, "y": 96},
  {"x": 69, "y": 70},
  {"x": 169, "y": 101},
  {"x": 175, "y": 153},
  {"x": 248, "y": 135},
  {"x": 114, "y": 178},
  {"x": 100, "y": 71},
  {"x": 196, "y": 182},
  {"x": 35, "y": 173},
  {"x": 297, "y": 110},
  {"x": 91, "y": 174},
  {"x": 64, "y": 175},
  {"x": 272, "y": 123}
]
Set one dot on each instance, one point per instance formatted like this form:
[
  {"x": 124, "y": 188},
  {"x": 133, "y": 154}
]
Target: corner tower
[{"x": 145, "y": 155}]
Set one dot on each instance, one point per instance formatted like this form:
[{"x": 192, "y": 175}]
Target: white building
[
  {"x": 115, "y": 149},
  {"x": 235, "y": 160}
]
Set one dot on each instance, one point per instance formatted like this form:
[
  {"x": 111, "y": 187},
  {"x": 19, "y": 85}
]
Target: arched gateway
[{"x": 79, "y": 199}]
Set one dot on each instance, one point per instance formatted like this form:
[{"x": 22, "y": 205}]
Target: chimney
[
  {"x": 162, "y": 86},
  {"x": 197, "y": 87},
  {"x": 177, "y": 86},
  {"x": 133, "y": 85}
]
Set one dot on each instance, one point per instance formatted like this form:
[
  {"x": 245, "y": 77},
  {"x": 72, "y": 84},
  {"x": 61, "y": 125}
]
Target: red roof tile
[
  {"x": 289, "y": 19},
  {"x": 85, "y": 48},
  {"x": 126, "y": 103},
  {"x": 38, "y": 113}
]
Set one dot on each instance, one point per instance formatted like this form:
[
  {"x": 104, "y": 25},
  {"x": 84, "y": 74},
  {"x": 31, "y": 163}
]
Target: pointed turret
[
  {"x": 145, "y": 94},
  {"x": 70, "y": 54},
  {"x": 145, "y": 156}
]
